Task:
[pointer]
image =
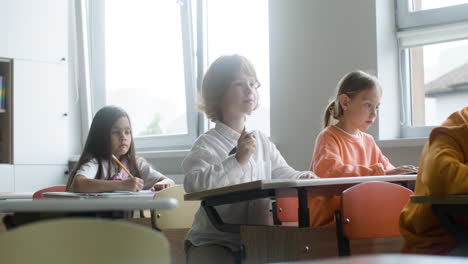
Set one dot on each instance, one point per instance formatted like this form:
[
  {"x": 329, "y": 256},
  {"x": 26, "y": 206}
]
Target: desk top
[
  {"x": 449, "y": 199},
  {"x": 85, "y": 205},
  {"x": 387, "y": 259},
  {"x": 15, "y": 195},
  {"x": 290, "y": 183},
  {"x": 131, "y": 195}
]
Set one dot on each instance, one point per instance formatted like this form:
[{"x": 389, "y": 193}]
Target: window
[
  {"x": 433, "y": 43},
  {"x": 241, "y": 27},
  {"x": 148, "y": 56}
]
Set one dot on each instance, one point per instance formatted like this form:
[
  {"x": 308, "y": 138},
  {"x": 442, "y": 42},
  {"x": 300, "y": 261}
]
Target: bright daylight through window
[{"x": 150, "y": 59}]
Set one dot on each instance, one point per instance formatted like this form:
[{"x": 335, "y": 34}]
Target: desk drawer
[{"x": 279, "y": 243}]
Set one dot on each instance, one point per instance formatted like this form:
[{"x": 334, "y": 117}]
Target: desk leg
[
  {"x": 303, "y": 207},
  {"x": 442, "y": 211},
  {"x": 216, "y": 220}
]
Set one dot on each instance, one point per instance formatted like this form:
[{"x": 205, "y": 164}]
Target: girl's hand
[
  {"x": 406, "y": 169},
  {"x": 246, "y": 146},
  {"x": 309, "y": 175},
  {"x": 161, "y": 186},
  {"x": 133, "y": 184}
]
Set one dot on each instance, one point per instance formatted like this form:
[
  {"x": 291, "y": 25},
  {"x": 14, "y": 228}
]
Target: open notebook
[{"x": 101, "y": 194}]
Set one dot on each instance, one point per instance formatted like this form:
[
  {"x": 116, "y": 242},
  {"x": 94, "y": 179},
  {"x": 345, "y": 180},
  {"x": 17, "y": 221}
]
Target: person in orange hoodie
[
  {"x": 443, "y": 171},
  {"x": 343, "y": 149}
]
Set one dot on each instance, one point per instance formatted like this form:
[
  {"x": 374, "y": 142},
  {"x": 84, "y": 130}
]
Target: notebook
[{"x": 101, "y": 194}]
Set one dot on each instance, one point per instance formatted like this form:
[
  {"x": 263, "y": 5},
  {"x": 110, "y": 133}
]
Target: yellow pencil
[{"x": 122, "y": 166}]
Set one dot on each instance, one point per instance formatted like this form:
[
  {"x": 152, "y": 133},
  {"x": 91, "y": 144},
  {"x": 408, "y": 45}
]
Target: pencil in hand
[{"x": 122, "y": 166}]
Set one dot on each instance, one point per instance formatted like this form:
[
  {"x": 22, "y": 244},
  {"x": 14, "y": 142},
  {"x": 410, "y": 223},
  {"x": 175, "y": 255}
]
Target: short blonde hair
[{"x": 217, "y": 80}]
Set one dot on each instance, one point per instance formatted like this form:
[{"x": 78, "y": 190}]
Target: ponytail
[{"x": 329, "y": 115}]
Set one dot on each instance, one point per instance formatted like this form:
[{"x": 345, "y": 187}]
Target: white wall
[{"x": 312, "y": 45}]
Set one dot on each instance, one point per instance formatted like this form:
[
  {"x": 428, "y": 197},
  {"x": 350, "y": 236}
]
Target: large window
[
  {"x": 241, "y": 27},
  {"x": 433, "y": 43},
  {"x": 148, "y": 56}
]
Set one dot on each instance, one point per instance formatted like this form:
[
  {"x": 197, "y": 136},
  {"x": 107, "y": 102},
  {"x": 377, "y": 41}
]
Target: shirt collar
[
  {"x": 357, "y": 137},
  {"x": 226, "y": 131}
]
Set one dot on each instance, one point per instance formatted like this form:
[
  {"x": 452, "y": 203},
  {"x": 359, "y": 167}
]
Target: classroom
[{"x": 114, "y": 110}]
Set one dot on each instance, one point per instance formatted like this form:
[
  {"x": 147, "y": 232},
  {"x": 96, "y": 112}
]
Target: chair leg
[
  {"x": 342, "y": 241},
  {"x": 274, "y": 212}
]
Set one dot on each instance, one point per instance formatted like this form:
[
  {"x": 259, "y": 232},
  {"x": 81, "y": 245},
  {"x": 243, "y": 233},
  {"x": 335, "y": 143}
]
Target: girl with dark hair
[{"x": 96, "y": 171}]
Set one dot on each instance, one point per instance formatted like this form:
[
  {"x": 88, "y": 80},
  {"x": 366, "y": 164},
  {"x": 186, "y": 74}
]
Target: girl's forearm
[{"x": 82, "y": 184}]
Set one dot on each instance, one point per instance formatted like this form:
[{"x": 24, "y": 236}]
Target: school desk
[
  {"x": 85, "y": 205},
  {"x": 386, "y": 259},
  {"x": 15, "y": 195},
  {"x": 145, "y": 195},
  {"x": 301, "y": 188},
  {"x": 444, "y": 207},
  {"x": 282, "y": 243}
]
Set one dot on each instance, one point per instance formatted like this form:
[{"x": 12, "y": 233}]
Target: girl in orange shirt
[{"x": 343, "y": 149}]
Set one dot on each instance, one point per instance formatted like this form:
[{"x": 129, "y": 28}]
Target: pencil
[{"x": 122, "y": 166}]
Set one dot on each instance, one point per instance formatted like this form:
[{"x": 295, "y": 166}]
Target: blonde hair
[
  {"x": 351, "y": 84},
  {"x": 219, "y": 77}
]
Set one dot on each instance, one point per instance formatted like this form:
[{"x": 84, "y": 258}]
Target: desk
[
  {"x": 443, "y": 207},
  {"x": 146, "y": 195},
  {"x": 15, "y": 195},
  {"x": 280, "y": 188},
  {"x": 85, "y": 205},
  {"x": 387, "y": 259}
]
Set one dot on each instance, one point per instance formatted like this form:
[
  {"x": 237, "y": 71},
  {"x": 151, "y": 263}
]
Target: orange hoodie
[
  {"x": 443, "y": 170},
  {"x": 339, "y": 154}
]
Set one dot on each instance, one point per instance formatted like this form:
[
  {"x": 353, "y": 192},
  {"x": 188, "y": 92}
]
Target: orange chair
[
  {"x": 369, "y": 210},
  {"x": 286, "y": 210},
  {"x": 59, "y": 188}
]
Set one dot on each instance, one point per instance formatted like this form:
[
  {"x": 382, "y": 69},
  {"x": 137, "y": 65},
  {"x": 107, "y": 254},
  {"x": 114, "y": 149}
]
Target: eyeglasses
[{"x": 252, "y": 84}]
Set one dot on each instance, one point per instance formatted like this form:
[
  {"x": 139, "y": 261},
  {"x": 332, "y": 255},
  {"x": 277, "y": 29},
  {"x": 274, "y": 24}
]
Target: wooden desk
[
  {"x": 444, "y": 207},
  {"x": 280, "y": 188},
  {"x": 15, "y": 195},
  {"x": 387, "y": 259}
]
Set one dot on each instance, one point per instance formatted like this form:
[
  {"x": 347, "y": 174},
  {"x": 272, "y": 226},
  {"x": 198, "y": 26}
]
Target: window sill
[
  {"x": 164, "y": 154},
  {"x": 402, "y": 142},
  {"x": 150, "y": 154}
]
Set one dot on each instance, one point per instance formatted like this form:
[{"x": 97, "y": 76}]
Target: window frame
[
  {"x": 419, "y": 28},
  {"x": 98, "y": 93}
]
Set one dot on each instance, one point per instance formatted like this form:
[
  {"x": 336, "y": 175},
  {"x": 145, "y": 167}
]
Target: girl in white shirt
[
  {"x": 96, "y": 171},
  {"x": 229, "y": 94}
]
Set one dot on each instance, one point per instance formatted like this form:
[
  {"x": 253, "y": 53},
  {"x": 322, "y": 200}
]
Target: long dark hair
[{"x": 98, "y": 144}]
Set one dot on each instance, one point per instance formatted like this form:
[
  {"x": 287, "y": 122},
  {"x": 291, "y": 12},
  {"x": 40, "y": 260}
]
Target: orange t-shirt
[
  {"x": 339, "y": 154},
  {"x": 443, "y": 170}
]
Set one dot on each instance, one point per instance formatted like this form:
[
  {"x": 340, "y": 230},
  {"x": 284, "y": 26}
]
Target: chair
[
  {"x": 286, "y": 210},
  {"x": 82, "y": 240},
  {"x": 59, "y": 188},
  {"x": 369, "y": 210},
  {"x": 176, "y": 222},
  {"x": 181, "y": 217}
]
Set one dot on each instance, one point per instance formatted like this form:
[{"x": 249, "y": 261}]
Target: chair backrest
[
  {"x": 287, "y": 209},
  {"x": 59, "y": 188},
  {"x": 180, "y": 217},
  {"x": 372, "y": 209},
  {"x": 83, "y": 240}
]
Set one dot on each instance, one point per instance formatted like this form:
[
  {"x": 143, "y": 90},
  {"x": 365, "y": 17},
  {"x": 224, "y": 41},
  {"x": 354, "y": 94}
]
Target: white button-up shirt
[{"x": 209, "y": 166}]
